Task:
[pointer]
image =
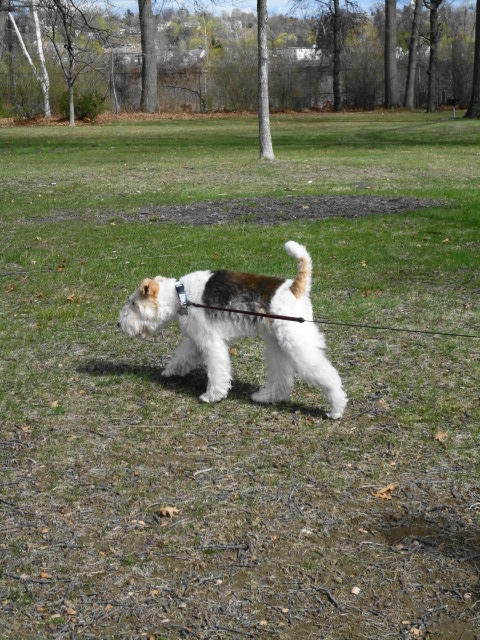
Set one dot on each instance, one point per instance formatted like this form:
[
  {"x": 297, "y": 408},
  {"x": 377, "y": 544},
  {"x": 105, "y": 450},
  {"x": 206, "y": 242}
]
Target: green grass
[
  {"x": 125, "y": 165},
  {"x": 93, "y": 439}
]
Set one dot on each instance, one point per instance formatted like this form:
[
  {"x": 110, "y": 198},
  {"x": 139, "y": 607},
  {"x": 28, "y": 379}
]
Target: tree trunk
[
  {"x": 4, "y": 7},
  {"x": 71, "y": 104},
  {"x": 43, "y": 79},
  {"x": 391, "y": 83},
  {"x": 473, "y": 110},
  {"x": 149, "y": 97},
  {"x": 337, "y": 49},
  {"x": 43, "y": 76},
  {"x": 433, "y": 5},
  {"x": 409, "y": 102},
  {"x": 266, "y": 149}
]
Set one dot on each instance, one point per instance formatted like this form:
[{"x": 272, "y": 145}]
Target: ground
[
  {"x": 266, "y": 210},
  {"x": 238, "y": 520}
]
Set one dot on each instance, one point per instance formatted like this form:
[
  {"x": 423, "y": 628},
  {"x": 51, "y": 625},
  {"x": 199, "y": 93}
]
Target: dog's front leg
[
  {"x": 185, "y": 358},
  {"x": 217, "y": 361}
]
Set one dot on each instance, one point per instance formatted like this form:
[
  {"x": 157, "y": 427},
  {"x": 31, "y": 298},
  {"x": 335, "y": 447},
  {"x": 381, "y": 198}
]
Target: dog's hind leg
[
  {"x": 280, "y": 374},
  {"x": 305, "y": 346},
  {"x": 185, "y": 358}
]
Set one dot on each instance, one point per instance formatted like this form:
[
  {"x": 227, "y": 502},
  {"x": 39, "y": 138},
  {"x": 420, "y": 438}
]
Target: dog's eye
[{"x": 133, "y": 303}]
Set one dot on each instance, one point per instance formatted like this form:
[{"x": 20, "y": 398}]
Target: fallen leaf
[
  {"x": 168, "y": 512},
  {"x": 441, "y": 436},
  {"x": 70, "y": 298},
  {"x": 355, "y": 591},
  {"x": 263, "y": 623},
  {"x": 54, "y": 404},
  {"x": 45, "y": 576},
  {"x": 11, "y": 288},
  {"x": 364, "y": 264},
  {"x": 385, "y": 493},
  {"x": 233, "y": 351}
]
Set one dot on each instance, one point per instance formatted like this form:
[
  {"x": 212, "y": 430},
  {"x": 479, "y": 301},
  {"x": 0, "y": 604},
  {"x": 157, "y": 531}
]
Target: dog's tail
[{"x": 302, "y": 283}]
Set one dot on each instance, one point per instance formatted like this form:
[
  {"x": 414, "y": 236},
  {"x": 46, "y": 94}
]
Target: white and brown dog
[{"x": 290, "y": 347}]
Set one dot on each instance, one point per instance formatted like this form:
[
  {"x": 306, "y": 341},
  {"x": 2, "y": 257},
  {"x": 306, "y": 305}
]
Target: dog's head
[{"x": 145, "y": 311}]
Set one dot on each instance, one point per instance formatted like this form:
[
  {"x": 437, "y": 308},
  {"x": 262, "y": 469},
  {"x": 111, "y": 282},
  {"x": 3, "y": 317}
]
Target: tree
[
  {"x": 434, "y": 38},
  {"x": 409, "y": 101},
  {"x": 391, "y": 82},
  {"x": 67, "y": 24},
  {"x": 473, "y": 110},
  {"x": 266, "y": 148},
  {"x": 334, "y": 23},
  {"x": 4, "y": 8},
  {"x": 149, "y": 96},
  {"x": 42, "y": 77}
]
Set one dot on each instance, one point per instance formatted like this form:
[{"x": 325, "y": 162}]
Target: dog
[{"x": 290, "y": 347}]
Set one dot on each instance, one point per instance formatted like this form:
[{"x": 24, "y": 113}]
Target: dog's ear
[{"x": 149, "y": 288}]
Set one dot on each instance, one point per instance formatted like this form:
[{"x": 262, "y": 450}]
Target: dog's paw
[
  {"x": 213, "y": 396},
  {"x": 262, "y": 395},
  {"x": 334, "y": 415},
  {"x": 168, "y": 373}
]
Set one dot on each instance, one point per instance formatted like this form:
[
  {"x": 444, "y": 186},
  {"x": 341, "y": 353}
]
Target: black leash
[{"x": 273, "y": 316}]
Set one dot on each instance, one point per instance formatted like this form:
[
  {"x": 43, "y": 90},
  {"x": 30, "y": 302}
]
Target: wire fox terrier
[{"x": 290, "y": 347}]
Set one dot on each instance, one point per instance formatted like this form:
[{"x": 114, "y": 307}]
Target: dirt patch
[{"x": 266, "y": 211}]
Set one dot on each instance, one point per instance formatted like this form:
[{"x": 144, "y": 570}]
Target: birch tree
[
  {"x": 266, "y": 148},
  {"x": 41, "y": 77},
  {"x": 44, "y": 78}
]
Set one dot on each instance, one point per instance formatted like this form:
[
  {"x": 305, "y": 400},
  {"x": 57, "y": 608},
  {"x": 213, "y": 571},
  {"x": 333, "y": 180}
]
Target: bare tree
[
  {"x": 67, "y": 24},
  {"x": 334, "y": 23},
  {"x": 391, "y": 81},
  {"x": 149, "y": 97},
  {"x": 42, "y": 76},
  {"x": 266, "y": 148},
  {"x": 434, "y": 39},
  {"x": 473, "y": 110},
  {"x": 409, "y": 101},
  {"x": 4, "y": 8}
]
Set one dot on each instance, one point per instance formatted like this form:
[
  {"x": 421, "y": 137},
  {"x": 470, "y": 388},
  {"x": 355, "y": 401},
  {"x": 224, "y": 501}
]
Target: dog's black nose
[{"x": 118, "y": 325}]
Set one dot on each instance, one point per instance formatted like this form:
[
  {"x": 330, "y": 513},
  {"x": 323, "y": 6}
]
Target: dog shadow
[{"x": 194, "y": 383}]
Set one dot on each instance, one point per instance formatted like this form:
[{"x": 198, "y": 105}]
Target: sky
[{"x": 274, "y": 6}]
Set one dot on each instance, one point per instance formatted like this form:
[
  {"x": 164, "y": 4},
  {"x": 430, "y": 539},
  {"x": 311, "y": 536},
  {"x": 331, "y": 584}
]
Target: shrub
[{"x": 87, "y": 105}]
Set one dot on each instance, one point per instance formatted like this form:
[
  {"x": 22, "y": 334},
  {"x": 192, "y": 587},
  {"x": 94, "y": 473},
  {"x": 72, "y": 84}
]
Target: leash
[
  {"x": 185, "y": 303},
  {"x": 332, "y": 322}
]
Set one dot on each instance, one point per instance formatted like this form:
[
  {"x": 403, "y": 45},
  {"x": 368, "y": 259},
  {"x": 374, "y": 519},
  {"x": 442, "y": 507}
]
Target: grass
[
  {"x": 123, "y": 166},
  {"x": 277, "y": 504}
]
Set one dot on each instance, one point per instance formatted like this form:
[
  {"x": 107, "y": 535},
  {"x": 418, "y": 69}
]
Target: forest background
[{"x": 322, "y": 55}]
